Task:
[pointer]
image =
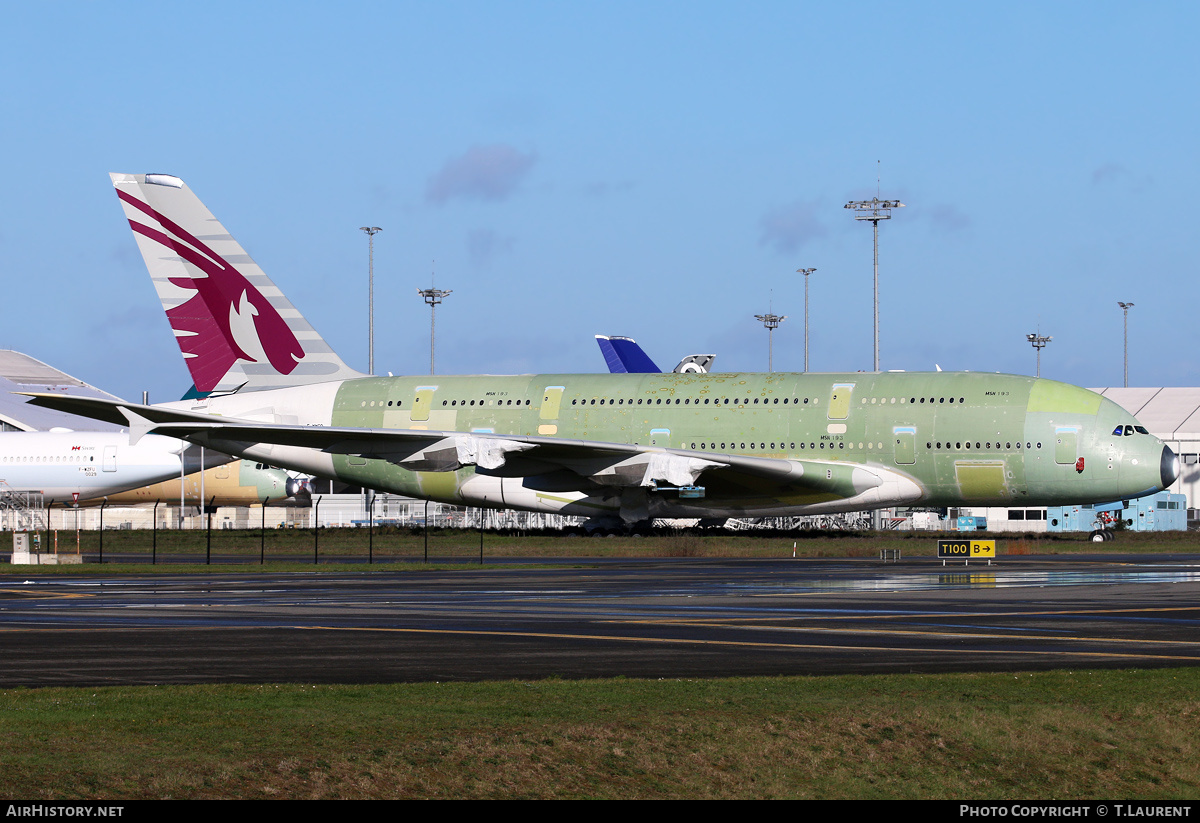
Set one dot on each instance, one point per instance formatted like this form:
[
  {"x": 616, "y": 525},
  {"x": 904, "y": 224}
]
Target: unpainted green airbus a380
[{"x": 633, "y": 446}]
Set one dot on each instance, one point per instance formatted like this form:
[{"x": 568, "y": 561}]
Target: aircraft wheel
[{"x": 1098, "y": 536}]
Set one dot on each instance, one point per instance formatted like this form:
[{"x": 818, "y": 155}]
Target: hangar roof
[
  {"x": 20, "y": 373},
  {"x": 1170, "y": 413}
]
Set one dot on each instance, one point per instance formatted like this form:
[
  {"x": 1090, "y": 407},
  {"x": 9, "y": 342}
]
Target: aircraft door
[
  {"x": 110, "y": 458},
  {"x": 906, "y": 444},
  {"x": 551, "y": 400},
  {"x": 839, "y": 401},
  {"x": 1066, "y": 445},
  {"x": 422, "y": 401},
  {"x": 548, "y": 412}
]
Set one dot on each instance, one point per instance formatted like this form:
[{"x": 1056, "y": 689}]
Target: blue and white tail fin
[
  {"x": 624, "y": 356},
  {"x": 233, "y": 325}
]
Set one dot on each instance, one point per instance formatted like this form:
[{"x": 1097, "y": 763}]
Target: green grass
[{"x": 1053, "y": 735}]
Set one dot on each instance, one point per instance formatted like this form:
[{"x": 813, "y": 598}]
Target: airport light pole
[
  {"x": 1039, "y": 342},
  {"x": 1125, "y": 307},
  {"x": 371, "y": 231},
  {"x": 874, "y": 210},
  {"x": 771, "y": 322},
  {"x": 806, "y": 273},
  {"x": 433, "y": 297}
]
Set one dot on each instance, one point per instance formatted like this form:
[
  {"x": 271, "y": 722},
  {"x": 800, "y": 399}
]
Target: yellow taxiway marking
[
  {"x": 666, "y": 640},
  {"x": 865, "y": 615},
  {"x": 948, "y": 632},
  {"x": 742, "y": 643},
  {"x": 787, "y": 624},
  {"x": 45, "y": 594}
]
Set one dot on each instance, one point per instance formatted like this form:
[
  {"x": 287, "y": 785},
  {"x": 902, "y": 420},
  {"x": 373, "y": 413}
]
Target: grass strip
[{"x": 1047, "y": 735}]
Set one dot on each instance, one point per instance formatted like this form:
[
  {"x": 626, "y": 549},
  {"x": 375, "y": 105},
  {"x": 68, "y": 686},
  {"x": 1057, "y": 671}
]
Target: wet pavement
[{"x": 634, "y": 618}]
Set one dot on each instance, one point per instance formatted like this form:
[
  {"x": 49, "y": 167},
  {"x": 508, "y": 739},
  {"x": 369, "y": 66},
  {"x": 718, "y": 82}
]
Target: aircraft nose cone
[
  {"x": 1168, "y": 467},
  {"x": 298, "y": 487}
]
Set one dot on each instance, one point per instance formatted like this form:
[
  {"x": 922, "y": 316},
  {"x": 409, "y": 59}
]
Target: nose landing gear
[{"x": 1104, "y": 531}]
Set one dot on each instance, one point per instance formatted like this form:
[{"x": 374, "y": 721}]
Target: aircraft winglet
[{"x": 139, "y": 426}]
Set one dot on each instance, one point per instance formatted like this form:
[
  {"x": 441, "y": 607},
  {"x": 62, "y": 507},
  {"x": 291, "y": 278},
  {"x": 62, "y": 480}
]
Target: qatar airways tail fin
[{"x": 233, "y": 325}]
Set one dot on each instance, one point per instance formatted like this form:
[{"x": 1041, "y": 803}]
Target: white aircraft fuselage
[{"x": 61, "y": 465}]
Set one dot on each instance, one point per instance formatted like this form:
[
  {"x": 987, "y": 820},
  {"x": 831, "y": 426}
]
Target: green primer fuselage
[{"x": 960, "y": 437}]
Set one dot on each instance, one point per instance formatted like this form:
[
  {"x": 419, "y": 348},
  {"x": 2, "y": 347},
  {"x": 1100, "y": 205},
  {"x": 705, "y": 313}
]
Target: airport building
[{"x": 1172, "y": 414}]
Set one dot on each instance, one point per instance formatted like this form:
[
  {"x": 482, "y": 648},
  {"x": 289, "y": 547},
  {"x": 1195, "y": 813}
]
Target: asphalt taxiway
[{"x": 579, "y": 618}]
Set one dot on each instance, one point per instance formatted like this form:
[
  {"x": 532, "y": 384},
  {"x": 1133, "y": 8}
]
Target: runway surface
[{"x": 635, "y": 618}]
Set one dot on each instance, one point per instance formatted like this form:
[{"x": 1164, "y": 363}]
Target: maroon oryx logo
[{"x": 227, "y": 319}]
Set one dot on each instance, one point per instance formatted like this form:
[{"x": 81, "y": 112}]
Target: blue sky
[{"x": 658, "y": 170}]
